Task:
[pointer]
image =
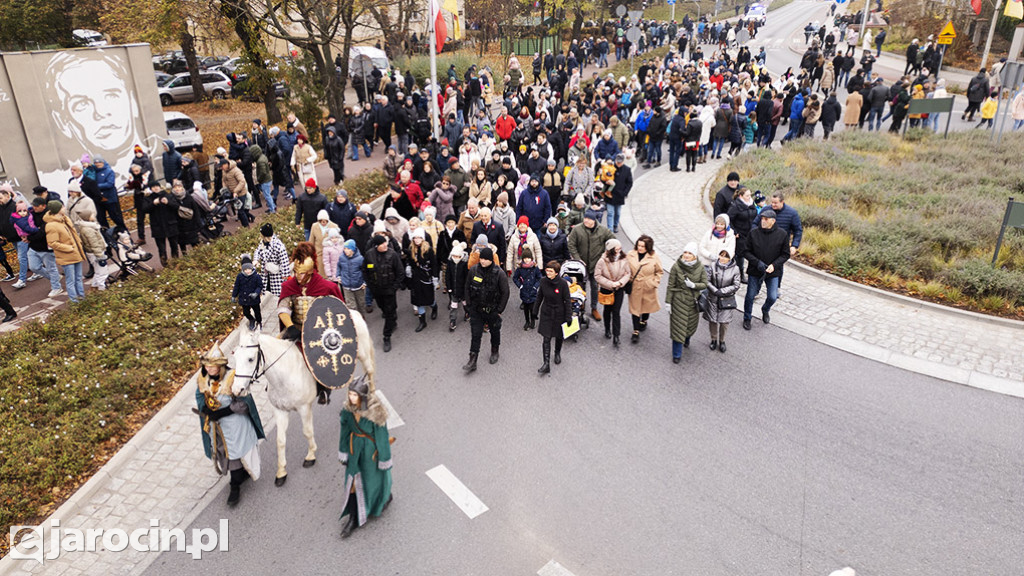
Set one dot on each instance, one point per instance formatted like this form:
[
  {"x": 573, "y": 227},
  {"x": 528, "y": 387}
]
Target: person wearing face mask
[
  {"x": 767, "y": 250},
  {"x": 685, "y": 282},
  {"x": 271, "y": 258},
  {"x": 552, "y": 309},
  {"x": 723, "y": 284}
]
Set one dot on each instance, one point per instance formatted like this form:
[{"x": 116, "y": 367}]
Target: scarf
[
  {"x": 551, "y": 234},
  {"x": 522, "y": 243},
  {"x": 718, "y": 233}
]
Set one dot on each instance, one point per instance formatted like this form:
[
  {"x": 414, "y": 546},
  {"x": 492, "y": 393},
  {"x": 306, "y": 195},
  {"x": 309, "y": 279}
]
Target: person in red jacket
[{"x": 504, "y": 125}]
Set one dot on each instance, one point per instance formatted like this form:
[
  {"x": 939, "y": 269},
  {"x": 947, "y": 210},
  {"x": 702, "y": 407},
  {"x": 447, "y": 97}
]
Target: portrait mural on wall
[{"x": 93, "y": 109}]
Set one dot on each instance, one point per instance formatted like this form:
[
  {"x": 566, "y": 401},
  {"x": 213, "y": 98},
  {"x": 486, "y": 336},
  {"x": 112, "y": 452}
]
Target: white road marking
[
  {"x": 394, "y": 420},
  {"x": 457, "y": 491},
  {"x": 553, "y": 568}
]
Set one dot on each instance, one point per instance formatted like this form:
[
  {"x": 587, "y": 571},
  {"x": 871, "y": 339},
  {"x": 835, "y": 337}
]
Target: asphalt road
[{"x": 782, "y": 456}]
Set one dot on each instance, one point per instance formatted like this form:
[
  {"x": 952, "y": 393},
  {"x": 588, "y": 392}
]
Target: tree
[
  {"x": 261, "y": 78},
  {"x": 160, "y": 22},
  {"x": 311, "y": 25},
  {"x": 31, "y": 24}
]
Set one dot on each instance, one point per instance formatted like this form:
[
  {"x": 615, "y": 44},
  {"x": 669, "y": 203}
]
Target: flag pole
[
  {"x": 991, "y": 31},
  {"x": 435, "y": 89}
]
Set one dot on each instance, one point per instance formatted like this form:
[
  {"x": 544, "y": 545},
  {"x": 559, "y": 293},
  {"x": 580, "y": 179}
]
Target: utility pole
[
  {"x": 991, "y": 31},
  {"x": 435, "y": 89},
  {"x": 864, "y": 21}
]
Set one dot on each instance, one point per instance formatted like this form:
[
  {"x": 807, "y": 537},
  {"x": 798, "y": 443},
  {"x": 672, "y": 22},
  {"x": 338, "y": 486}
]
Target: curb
[{"x": 953, "y": 374}]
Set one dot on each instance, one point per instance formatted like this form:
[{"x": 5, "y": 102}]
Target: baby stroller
[
  {"x": 213, "y": 221},
  {"x": 575, "y": 273},
  {"x": 128, "y": 256}
]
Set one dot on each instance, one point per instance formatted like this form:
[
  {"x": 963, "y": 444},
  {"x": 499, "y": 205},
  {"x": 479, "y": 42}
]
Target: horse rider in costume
[
  {"x": 230, "y": 424},
  {"x": 298, "y": 293},
  {"x": 365, "y": 450}
]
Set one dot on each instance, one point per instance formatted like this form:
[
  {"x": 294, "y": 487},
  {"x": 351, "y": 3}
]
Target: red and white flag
[{"x": 440, "y": 27}]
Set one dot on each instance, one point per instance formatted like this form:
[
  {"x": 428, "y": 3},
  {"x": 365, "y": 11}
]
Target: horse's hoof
[
  {"x": 308, "y": 463},
  {"x": 280, "y": 481}
]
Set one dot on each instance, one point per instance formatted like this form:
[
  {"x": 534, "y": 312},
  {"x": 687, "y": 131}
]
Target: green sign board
[
  {"x": 1015, "y": 215},
  {"x": 930, "y": 106}
]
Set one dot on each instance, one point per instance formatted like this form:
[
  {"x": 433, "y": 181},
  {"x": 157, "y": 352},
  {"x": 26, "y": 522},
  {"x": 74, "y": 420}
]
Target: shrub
[{"x": 913, "y": 208}]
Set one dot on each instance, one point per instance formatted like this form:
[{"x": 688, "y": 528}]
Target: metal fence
[{"x": 530, "y": 46}]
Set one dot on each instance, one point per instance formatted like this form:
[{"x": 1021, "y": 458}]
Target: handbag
[
  {"x": 727, "y": 302},
  {"x": 628, "y": 288},
  {"x": 702, "y": 301},
  {"x": 605, "y": 298},
  {"x": 185, "y": 213}
]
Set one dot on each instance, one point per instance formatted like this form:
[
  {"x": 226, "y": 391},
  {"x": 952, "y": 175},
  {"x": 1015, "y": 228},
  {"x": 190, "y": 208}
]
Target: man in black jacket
[
  {"x": 623, "y": 185},
  {"x": 486, "y": 297},
  {"x": 767, "y": 251},
  {"x": 308, "y": 205},
  {"x": 725, "y": 196},
  {"x": 382, "y": 268},
  {"x": 382, "y": 121}
]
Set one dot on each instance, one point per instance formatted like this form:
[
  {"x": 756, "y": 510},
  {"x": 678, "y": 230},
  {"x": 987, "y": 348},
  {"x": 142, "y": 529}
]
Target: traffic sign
[
  {"x": 633, "y": 35},
  {"x": 948, "y": 34},
  {"x": 620, "y": 10},
  {"x": 670, "y": 2},
  {"x": 636, "y": 15}
]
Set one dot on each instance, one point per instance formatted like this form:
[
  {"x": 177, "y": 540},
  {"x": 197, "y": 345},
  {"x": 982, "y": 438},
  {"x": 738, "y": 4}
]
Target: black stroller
[
  {"x": 129, "y": 257},
  {"x": 214, "y": 219}
]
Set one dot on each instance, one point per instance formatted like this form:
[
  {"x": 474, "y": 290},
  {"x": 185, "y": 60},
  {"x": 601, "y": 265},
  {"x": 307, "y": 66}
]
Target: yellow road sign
[{"x": 948, "y": 31}]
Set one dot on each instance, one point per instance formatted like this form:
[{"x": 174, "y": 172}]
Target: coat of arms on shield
[{"x": 329, "y": 342}]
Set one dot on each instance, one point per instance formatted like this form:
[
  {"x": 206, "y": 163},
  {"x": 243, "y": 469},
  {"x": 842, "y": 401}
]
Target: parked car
[
  {"x": 216, "y": 85},
  {"x": 182, "y": 131},
  {"x": 83, "y": 37},
  {"x": 162, "y": 78},
  {"x": 213, "y": 61},
  {"x": 229, "y": 66},
  {"x": 240, "y": 89}
]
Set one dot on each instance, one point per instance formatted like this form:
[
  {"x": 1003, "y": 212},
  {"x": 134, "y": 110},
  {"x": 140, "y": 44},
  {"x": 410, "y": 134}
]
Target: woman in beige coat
[
  {"x": 646, "y": 270},
  {"x": 854, "y": 102},
  {"x": 317, "y": 234},
  {"x": 612, "y": 273},
  {"x": 523, "y": 237}
]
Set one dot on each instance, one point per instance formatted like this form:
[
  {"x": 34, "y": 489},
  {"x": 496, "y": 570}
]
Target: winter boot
[
  {"x": 237, "y": 478},
  {"x": 558, "y": 351},
  {"x": 387, "y": 344},
  {"x": 546, "y": 348},
  {"x": 471, "y": 365},
  {"x": 423, "y": 322},
  {"x": 433, "y": 312},
  {"x": 494, "y": 355},
  {"x": 5, "y": 305}
]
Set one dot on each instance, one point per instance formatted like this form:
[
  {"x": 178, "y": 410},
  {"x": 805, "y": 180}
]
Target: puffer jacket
[
  {"x": 723, "y": 281},
  {"x": 684, "y": 316},
  {"x": 587, "y": 244},
  {"x": 349, "y": 271},
  {"x": 62, "y": 237}
]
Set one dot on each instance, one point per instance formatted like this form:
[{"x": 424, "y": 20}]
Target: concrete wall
[{"x": 56, "y": 106}]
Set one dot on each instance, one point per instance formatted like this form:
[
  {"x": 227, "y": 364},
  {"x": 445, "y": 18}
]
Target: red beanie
[
  {"x": 523, "y": 220},
  {"x": 310, "y": 183}
]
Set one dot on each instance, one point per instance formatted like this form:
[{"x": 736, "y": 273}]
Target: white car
[
  {"x": 83, "y": 37},
  {"x": 758, "y": 12},
  {"x": 216, "y": 84},
  {"x": 182, "y": 131}
]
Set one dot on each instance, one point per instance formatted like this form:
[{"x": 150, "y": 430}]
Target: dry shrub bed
[
  {"x": 75, "y": 388},
  {"x": 919, "y": 217}
]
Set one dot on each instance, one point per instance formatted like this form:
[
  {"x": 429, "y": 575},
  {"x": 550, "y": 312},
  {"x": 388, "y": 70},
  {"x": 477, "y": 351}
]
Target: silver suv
[{"x": 216, "y": 84}]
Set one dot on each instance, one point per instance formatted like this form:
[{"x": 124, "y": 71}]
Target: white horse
[{"x": 290, "y": 385}]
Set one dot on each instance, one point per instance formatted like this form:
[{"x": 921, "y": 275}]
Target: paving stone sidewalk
[{"x": 949, "y": 344}]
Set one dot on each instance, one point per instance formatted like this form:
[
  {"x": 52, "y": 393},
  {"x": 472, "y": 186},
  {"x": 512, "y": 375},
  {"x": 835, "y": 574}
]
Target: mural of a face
[{"x": 91, "y": 101}]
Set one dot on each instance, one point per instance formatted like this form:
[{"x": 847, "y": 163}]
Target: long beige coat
[
  {"x": 644, "y": 298},
  {"x": 854, "y": 102},
  {"x": 317, "y": 233}
]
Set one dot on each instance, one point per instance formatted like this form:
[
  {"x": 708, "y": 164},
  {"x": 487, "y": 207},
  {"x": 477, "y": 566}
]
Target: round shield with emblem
[{"x": 329, "y": 342}]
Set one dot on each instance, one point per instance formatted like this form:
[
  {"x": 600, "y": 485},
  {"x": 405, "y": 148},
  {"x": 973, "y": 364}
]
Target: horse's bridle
[{"x": 260, "y": 360}]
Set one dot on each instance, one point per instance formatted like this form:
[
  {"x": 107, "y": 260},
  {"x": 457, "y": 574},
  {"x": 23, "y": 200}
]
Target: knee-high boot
[
  {"x": 558, "y": 350},
  {"x": 237, "y": 477},
  {"x": 546, "y": 347}
]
